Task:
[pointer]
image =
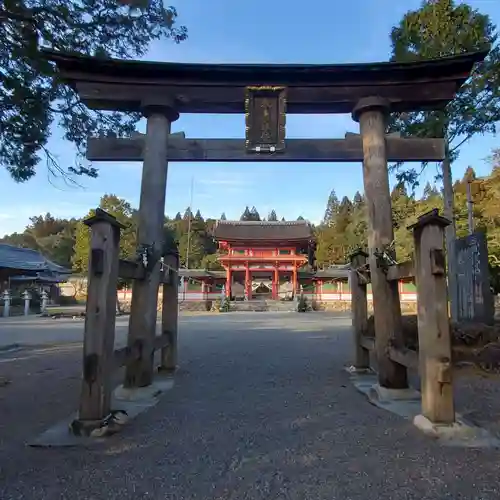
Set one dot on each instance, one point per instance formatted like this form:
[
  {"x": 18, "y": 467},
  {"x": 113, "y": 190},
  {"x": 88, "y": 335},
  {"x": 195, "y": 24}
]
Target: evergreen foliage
[
  {"x": 32, "y": 100},
  {"x": 66, "y": 241}
]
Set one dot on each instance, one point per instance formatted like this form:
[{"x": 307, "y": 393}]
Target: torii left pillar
[{"x": 160, "y": 113}]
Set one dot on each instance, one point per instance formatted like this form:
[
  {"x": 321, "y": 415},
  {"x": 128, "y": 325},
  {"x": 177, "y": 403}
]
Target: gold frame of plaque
[{"x": 265, "y": 119}]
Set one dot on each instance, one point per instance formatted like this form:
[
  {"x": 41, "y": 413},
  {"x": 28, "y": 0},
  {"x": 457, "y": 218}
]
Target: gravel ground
[{"x": 261, "y": 409}]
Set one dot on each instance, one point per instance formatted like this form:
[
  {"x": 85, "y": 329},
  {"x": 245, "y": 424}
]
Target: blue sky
[{"x": 279, "y": 31}]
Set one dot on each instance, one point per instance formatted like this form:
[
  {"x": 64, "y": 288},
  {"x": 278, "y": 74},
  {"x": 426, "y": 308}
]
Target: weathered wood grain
[
  {"x": 169, "y": 315},
  {"x": 230, "y": 97},
  {"x": 404, "y": 357},
  {"x": 386, "y": 304},
  {"x": 143, "y": 309},
  {"x": 359, "y": 311},
  {"x": 132, "y": 270},
  {"x": 129, "y": 354},
  {"x": 401, "y": 271},
  {"x": 100, "y": 315},
  {"x": 368, "y": 343},
  {"x": 296, "y": 150},
  {"x": 434, "y": 339}
]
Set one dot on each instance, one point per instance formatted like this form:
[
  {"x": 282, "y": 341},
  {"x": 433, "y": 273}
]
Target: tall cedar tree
[
  {"x": 33, "y": 100},
  {"x": 443, "y": 28},
  {"x": 272, "y": 216},
  {"x": 254, "y": 214},
  {"x": 246, "y": 214},
  {"x": 332, "y": 207}
]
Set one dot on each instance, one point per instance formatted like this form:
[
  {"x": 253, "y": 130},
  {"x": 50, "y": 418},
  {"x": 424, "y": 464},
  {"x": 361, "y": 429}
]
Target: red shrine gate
[
  {"x": 265, "y": 93},
  {"x": 259, "y": 254}
]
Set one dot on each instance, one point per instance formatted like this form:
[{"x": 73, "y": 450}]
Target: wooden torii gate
[{"x": 265, "y": 93}]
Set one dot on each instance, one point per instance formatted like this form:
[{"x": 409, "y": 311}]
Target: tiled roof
[
  {"x": 40, "y": 278},
  {"x": 226, "y": 230},
  {"x": 28, "y": 260},
  {"x": 201, "y": 273}
]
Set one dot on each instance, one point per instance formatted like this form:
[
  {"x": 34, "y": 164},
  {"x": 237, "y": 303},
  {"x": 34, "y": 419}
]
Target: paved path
[
  {"x": 261, "y": 409},
  {"x": 38, "y": 331}
]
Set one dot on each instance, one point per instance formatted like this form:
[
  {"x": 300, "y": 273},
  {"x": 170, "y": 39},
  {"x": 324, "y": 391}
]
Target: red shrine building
[
  {"x": 268, "y": 260},
  {"x": 262, "y": 259}
]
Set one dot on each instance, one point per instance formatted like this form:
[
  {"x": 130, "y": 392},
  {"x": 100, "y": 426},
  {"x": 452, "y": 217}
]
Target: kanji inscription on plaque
[{"x": 265, "y": 109}]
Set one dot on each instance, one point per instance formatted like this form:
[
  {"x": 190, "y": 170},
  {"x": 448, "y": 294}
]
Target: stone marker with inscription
[{"x": 475, "y": 298}]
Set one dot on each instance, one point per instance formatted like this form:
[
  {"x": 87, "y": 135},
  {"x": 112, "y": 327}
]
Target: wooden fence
[
  {"x": 433, "y": 359},
  {"x": 100, "y": 358}
]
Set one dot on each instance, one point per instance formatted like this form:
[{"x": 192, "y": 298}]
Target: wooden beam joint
[
  {"x": 368, "y": 343},
  {"x": 404, "y": 356},
  {"x": 401, "y": 271}
]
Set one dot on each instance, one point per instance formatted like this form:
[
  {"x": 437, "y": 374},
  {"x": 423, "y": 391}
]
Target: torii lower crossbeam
[{"x": 297, "y": 150}]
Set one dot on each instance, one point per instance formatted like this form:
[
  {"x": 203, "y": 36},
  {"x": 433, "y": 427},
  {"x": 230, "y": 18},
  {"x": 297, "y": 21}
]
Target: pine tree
[
  {"x": 444, "y": 28},
  {"x": 300, "y": 217},
  {"x": 344, "y": 216},
  {"x": 246, "y": 214},
  {"x": 332, "y": 208},
  {"x": 356, "y": 232},
  {"x": 358, "y": 200},
  {"x": 430, "y": 191},
  {"x": 198, "y": 215},
  {"x": 254, "y": 214},
  {"x": 33, "y": 97},
  {"x": 272, "y": 216},
  {"x": 223, "y": 216},
  {"x": 403, "y": 206},
  {"x": 188, "y": 214},
  {"x": 178, "y": 216}
]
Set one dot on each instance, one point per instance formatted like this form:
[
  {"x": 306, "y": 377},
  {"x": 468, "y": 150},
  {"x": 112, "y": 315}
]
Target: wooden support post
[
  {"x": 99, "y": 336},
  {"x": 143, "y": 310},
  {"x": 170, "y": 313},
  {"x": 359, "y": 311},
  {"x": 228, "y": 282},
  {"x": 371, "y": 114},
  {"x": 248, "y": 284},
  {"x": 433, "y": 322}
]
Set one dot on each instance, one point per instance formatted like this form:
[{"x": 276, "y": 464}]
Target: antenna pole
[{"x": 189, "y": 224}]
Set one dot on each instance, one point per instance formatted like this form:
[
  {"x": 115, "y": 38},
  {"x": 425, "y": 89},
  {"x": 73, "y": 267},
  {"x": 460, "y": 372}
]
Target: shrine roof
[
  {"x": 201, "y": 273},
  {"x": 27, "y": 260},
  {"x": 105, "y": 83},
  {"x": 269, "y": 231}
]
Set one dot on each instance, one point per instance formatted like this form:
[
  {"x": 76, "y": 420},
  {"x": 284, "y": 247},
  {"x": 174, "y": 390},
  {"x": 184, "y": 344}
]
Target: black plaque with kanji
[{"x": 265, "y": 109}]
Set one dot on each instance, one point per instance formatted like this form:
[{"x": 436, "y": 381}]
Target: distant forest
[{"x": 343, "y": 228}]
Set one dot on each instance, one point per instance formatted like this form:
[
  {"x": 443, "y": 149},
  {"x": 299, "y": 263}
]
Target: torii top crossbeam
[{"x": 220, "y": 88}]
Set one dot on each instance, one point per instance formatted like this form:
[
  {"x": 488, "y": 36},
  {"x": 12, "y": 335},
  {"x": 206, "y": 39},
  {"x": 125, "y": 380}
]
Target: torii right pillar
[{"x": 371, "y": 113}]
